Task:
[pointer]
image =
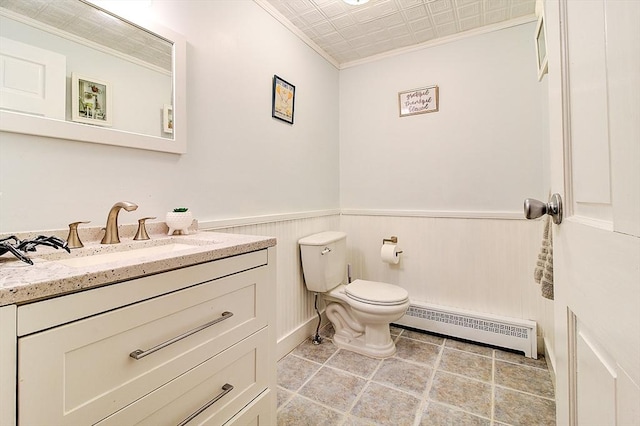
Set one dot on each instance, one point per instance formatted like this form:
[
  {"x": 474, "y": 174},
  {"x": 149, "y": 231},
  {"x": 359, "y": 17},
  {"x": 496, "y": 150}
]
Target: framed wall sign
[
  {"x": 90, "y": 100},
  {"x": 283, "y": 100},
  {"x": 418, "y": 101}
]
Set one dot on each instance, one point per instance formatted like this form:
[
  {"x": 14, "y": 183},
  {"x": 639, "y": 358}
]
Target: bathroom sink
[{"x": 97, "y": 259}]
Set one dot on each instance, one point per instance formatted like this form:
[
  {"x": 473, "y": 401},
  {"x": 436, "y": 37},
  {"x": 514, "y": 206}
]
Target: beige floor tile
[
  {"x": 318, "y": 353},
  {"x": 355, "y": 421},
  {"x": 354, "y": 363},
  {"x": 423, "y": 337},
  {"x": 324, "y": 385},
  {"x": 334, "y": 388},
  {"x": 441, "y": 415},
  {"x": 395, "y": 331},
  {"x": 469, "y": 395},
  {"x": 294, "y": 371},
  {"x": 283, "y": 396},
  {"x": 469, "y": 347},
  {"x": 404, "y": 375},
  {"x": 302, "y": 412},
  {"x": 519, "y": 409},
  {"x": 467, "y": 364},
  {"x": 523, "y": 378},
  {"x": 327, "y": 331},
  {"x": 414, "y": 350},
  {"x": 386, "y": 406},
  {"x": 518, "y": 358}
]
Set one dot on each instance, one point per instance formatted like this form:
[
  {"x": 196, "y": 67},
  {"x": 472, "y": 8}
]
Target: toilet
[{"x": 360, "y": 311}]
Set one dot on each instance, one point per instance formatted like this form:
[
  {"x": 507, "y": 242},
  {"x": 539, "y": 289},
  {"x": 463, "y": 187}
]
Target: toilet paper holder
[{"x": 392, "y": 240}]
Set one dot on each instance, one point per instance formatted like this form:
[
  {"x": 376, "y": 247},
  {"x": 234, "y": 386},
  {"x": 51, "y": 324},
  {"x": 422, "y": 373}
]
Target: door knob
[{"x": 533, "y": 209}]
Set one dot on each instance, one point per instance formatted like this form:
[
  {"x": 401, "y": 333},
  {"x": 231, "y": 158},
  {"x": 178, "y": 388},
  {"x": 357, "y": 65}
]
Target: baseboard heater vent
[{"x": 511, "y": 333}]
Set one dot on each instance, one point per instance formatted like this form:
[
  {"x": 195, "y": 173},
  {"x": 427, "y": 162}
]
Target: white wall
[
  {"x": 240, "y": 161},
  {"x": 449, "y": 184},
  {"x": 481, "y": 152}
]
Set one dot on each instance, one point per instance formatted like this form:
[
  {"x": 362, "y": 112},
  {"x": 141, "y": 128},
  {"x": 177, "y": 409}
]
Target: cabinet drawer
[
  {"x": 50, "y": 313},
  {"x": 82, "y": 372},
  {"x": 261, "y": 412},
  {"x": 243, "y": 366}
]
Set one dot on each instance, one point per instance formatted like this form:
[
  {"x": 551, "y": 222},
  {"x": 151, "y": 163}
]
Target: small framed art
[
  {"x": 167, "y": 119},
  {"x": 90, "y": 100},
  {"x": 418, "y": 101},
  {"x": 283, "y": 100}
]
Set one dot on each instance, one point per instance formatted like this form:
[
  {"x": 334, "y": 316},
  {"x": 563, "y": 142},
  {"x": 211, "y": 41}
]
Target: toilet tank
[{"x": 324, "y": 260}]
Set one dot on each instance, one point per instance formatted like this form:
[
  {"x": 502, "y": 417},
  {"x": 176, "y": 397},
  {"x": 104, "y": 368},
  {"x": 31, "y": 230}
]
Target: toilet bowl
[
  {"x": 373, "y": 307},
  {"x": 360, "y": 311}
]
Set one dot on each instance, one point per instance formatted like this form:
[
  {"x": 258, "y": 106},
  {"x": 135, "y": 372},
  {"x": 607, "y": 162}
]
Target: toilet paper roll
[{"x": 389, "y": 254}]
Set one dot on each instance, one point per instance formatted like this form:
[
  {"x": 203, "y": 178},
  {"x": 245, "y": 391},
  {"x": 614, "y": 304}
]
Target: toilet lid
[{"x": 376, "y": 293}]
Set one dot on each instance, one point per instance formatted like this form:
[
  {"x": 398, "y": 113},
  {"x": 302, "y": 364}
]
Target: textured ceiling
[
  {"x": 343, "y": 32},
  {"x": 352, "y": 33},
  {"x": 90, "y": 23}
]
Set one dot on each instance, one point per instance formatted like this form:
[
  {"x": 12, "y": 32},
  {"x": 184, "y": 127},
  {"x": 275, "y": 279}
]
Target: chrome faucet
[{"x": 111, "y": 230}]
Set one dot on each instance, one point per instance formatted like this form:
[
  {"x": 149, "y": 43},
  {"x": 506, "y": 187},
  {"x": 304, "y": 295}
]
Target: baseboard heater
[{"x": 504, "y": 332}]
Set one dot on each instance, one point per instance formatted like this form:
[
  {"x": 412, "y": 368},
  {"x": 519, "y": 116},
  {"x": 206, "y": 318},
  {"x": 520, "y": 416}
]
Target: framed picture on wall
[
  {"x": 418, "y": 101},
  {"x": 283, "y": 100},
  {"x": 541, "y": 48},
  {"x": 167, "y": 119},
  {"x": 90, "y": 100}
]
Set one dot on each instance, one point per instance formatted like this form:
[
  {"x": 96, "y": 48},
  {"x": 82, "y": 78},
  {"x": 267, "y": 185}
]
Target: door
[
  {"x": 594, "y": 104},
  {"x": 32, "y": 80}
]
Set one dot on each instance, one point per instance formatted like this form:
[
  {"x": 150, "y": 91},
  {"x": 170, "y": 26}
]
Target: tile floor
[{"x": 432, "y": 380}]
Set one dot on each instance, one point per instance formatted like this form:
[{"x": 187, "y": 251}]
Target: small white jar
[{"x": 179, "y": 221}]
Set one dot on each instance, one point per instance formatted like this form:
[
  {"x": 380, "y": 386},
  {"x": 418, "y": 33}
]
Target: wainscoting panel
[
  {"x": 477, "y": 264},
  {"x": 295, "y": 303}
]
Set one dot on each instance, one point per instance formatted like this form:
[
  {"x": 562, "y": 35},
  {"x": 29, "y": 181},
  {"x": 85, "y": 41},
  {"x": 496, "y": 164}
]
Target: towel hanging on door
[{"x": 543, "y": 273}]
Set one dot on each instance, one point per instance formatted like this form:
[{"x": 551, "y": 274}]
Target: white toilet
[{"x": 361, "y": 311}]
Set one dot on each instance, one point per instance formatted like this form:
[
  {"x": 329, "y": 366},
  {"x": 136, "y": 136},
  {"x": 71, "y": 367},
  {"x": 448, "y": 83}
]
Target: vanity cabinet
[{"x": 194, "y": 345}]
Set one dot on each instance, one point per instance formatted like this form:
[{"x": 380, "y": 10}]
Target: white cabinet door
[
  {"x": 8, "y": 350},
  {"x": 594, "y": 82}
]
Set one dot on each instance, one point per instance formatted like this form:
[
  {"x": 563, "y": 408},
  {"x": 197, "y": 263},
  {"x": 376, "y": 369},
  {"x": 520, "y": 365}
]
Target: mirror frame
[{"x": 15, "y": 122}]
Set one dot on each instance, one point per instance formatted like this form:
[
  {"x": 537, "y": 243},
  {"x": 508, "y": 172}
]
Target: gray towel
[{"x": 543, "y": 273}]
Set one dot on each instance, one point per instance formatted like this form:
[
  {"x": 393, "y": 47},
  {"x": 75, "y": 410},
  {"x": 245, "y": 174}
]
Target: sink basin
[{"x": 97, "y": 259}]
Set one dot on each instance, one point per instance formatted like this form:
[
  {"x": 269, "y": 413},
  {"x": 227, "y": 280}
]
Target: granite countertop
[{"x": 22, "y": 283}]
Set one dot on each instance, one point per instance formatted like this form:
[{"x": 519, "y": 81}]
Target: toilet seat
[{"x": 376, "y": 293}]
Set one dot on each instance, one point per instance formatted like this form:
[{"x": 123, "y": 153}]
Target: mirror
[{"x": 72, "y": 70}]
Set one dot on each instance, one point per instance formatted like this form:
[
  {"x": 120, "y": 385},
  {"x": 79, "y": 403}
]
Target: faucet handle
[
  {"x": 73, "y": 240},
  {"x": 142, "y": 230}
]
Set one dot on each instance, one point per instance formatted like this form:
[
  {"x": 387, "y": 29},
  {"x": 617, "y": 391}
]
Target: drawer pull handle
[
  {"x": 225, "y": 390},
  {"x": 139, "y": 353}
]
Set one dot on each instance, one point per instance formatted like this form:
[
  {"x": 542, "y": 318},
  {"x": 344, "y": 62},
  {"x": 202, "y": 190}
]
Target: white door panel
[
  {"x": 594, "y": 73},
  {"x": 603, "y": 293},
  {"x": 628, "y": 408},
  {"x": 32, "y": 80},
  {"x": 623, "y": 70},
  {"x": 590, "y": 157},
  {"x": 596, "y": 379}
]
